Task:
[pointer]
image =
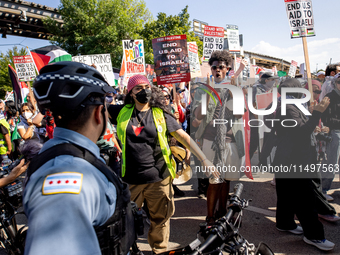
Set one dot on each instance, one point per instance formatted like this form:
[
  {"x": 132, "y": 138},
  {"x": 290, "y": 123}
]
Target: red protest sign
[
  {"x": 213, "y": 40},
  {"x": 263, "y": 100},
  {"x": 213, "y": 31},
  {"x": 171, "y": 59}
]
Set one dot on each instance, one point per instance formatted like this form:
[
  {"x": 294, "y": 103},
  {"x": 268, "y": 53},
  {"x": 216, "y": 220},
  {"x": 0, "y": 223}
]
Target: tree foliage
[
  {"x": 165, "y": 26},
  {"x": 5, "y": 60},
  {"x": 98, "y": 26}
]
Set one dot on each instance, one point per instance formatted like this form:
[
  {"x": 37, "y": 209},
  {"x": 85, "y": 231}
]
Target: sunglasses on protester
[
  {"x": 167, "y": 97},
  {"x": 317, "y": 91},
  {"x": 221, "y": 67}
]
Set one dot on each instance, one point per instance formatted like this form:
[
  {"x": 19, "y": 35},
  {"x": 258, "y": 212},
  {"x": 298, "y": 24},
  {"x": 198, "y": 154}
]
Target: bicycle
[
  {"x": 223, "y": 235},
  {"x": 12, "y": 239}
]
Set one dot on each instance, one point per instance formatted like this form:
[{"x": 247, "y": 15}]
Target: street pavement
[{"x": 258, "y": 223}]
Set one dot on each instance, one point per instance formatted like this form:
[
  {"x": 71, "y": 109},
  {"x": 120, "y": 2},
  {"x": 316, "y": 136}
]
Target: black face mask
[{"x": 143, "y": 96}]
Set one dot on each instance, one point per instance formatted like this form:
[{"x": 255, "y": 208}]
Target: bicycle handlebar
[
  {"x": 220, "y": 227},
  {"x": 238, "y": 190}
]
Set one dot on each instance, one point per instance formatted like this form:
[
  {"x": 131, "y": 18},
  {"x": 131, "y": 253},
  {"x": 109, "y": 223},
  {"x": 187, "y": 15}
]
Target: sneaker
[
  {"x": 328, "y": 197},
  {"x": 297, "y": 231},
  {"x": 178, "y": 192},
  {"x": 329, "y": 217},
  {"x": 201, "y": 195},
  {"x": 324, "y": 244}
]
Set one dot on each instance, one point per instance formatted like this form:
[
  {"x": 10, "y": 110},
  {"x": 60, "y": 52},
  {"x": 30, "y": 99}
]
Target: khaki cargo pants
[{"x": 160, "y": 202}]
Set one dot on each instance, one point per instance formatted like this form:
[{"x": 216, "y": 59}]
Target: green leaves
[
  {"x": 5, "y": 60},
  {"x": 165, "y": 26},
  {"x": 98, "y": 26}
]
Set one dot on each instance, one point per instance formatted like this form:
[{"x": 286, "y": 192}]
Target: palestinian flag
[
  {"x": 259, "y": 69},
  {"x": 310, "y": 31},
  {"x": 295, "y": 33},
  {"x": 116, "y": 74},
  {"x": 15, "y": 134},
  {"x": 49, "y": 54},
  {"x": 16, "y": 86}
]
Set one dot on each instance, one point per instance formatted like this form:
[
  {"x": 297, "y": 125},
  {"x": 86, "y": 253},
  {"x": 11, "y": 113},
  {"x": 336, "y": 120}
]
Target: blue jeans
[{"x": 333, "y": 152}]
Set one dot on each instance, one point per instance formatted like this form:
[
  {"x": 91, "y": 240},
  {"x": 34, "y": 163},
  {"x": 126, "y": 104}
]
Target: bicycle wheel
[{"x": 263, "y": 249}]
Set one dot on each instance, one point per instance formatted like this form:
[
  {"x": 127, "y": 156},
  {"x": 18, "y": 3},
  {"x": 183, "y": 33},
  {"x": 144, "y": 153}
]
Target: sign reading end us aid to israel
[
  {"x": 25, "y": 68},
  {"x": 133, "y": 52},
  {"x": 300, "y": 17},
  {"x": 171, "y": 59},
  {"x": 213, "y": 40}
]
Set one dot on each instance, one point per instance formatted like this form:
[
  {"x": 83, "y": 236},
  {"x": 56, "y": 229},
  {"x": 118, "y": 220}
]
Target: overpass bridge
[{"x": 22, "y": 18}]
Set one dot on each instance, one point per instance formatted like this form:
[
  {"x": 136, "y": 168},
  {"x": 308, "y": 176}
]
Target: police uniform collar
[{"x": 63, "y": 135}]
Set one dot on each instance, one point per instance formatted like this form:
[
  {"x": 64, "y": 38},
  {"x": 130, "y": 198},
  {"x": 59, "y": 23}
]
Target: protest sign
[
  {"x": 246, "y": 70},
  {"x": 102, "y": 62},
  {"x": 9, "y": 96},
  {"x": 133, "y": 53},
  {"x": 194, "y": 63},
  {"x": 150, "y": 73},
  {"x": 213, "y": 40},
  {"x": 292, "y": 69},
  {"x": 301, "y": 22},
  {"x": 274, "y": 70},
  {"x": 171, "y": 59},
  {"x": 233, "y": 38},
  {"x": 263, "y": 100},
  {"x": 300, "y": 17},
  {"x": 25, "y": 68}
]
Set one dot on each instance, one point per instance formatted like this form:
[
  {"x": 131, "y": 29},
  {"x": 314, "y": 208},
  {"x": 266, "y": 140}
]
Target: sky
[{"x": 263, "y": 23}]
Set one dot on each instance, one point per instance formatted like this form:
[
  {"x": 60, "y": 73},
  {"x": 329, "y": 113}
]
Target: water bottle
[{"x": 5, "y": 162}]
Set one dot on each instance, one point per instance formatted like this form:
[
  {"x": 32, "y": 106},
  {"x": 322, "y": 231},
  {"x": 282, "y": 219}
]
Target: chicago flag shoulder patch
[{"x": 65, "y": 182}]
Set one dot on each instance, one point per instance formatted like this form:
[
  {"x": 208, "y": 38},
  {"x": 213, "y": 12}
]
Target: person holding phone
[{"x": 26, "y": 128}]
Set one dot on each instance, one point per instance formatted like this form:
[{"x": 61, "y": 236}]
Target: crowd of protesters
[{"x": 143, "y": 116}]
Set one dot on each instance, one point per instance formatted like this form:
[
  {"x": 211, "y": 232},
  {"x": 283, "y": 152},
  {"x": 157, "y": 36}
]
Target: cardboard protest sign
[
  {"x": 195, "y": 68},
  {"x": 102, "y": 63},
  {"x": 133, "y": 53},
  {"x": 233, "y": 38},
  {"x": 263, "y": 100},
  {"x": 213, "y": 40},
  {"x": 300, "y": 17},
  {"x": 246, "y": 70},
  {"x": 25, "y": 68},
  {"x": 171, "y": 59},
  {"x": 292, "y": 69},
  {"x": 150, "y": 73}
]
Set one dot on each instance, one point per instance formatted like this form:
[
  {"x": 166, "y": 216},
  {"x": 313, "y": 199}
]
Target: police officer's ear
[{"x": 98, "y": 114}]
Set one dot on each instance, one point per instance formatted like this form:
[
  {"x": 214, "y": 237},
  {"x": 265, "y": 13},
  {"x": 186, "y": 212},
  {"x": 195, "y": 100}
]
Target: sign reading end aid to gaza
[{"x": 300, "y": 17}]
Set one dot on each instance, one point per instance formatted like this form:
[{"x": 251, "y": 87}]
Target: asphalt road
[{"x": 258, "y": 221}]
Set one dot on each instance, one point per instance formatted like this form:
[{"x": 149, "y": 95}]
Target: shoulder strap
[{"x": 75, "y": 151}]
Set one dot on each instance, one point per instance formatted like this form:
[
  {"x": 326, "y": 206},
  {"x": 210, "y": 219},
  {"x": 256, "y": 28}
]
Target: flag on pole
[
  {"x": 16, "y": 86},
  {"x": 15, "y": 134},
  {"x": 247, "y": 143},
  {"x": 49, "y": 54}
]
